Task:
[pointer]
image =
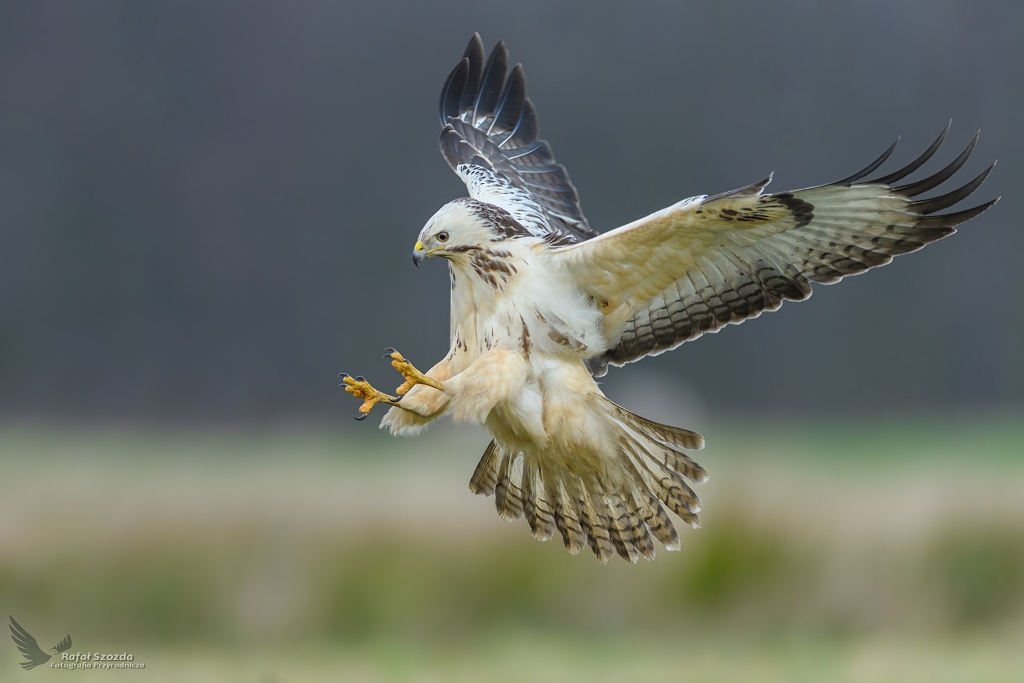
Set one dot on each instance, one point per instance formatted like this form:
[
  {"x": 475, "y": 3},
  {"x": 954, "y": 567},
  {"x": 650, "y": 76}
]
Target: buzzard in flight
[{"x": 541, "y": 304}]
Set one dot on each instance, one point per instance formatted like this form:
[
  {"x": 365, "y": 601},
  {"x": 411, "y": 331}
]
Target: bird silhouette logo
[{"x": 30, "y": 648}]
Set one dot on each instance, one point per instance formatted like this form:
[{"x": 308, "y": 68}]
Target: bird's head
[{"x": 461, "y": 227}]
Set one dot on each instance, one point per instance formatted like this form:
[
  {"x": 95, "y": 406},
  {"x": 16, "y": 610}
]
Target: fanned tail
[{"x": 616, "y": 507}]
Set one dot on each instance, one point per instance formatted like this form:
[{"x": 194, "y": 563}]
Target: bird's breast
[{"x": 502, "y": 299}]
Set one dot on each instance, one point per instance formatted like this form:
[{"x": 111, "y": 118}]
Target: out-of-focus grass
[
  {"x": 827, "y": 554},
  {"x": 552, "y": 658}
]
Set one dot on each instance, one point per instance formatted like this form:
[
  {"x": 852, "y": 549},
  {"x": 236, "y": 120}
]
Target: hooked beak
[{"x": 418, "y": 254}]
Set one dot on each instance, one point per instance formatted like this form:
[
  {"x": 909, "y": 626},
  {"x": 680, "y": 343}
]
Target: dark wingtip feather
[
  {"x": 913, "y": 165},
  {"x": 951, "y": 220},
  {"x": 510, "y": 107},
  {"x": 870, "y": 168},
  {"x": 527, "y": 130},
  {"x": 451, "y": 93},
  {"x": 914, "y": 189},
  {"x": 475, "y": 54},
  {"x": 927, "y": 206},
  {"x": 492, "y": 83}
]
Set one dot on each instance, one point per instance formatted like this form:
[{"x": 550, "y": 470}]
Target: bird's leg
[
  {"x": 412, "y": 375},
  {"x": 360, "y": 388}
]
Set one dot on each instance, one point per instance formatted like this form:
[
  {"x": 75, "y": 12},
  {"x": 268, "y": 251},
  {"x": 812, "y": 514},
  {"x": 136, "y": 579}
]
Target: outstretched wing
[
  {"x": 64, "y": 645},
  {"x": 28, "y": 646},
  {"x": 489, "y": 138},
  {"x": 707, "y": 262}
]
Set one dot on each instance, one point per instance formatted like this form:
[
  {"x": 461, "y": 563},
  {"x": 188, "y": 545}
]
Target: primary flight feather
[{"x": 541, "y": 304}]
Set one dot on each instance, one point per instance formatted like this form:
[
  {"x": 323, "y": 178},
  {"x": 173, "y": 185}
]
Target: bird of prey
[
  {"x": 541, "y": 304},
  {"x": 30, "y": 648}
]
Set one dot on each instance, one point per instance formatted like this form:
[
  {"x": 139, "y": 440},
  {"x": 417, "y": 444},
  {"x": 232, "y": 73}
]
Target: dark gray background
[{"x": 207, "y": 208}]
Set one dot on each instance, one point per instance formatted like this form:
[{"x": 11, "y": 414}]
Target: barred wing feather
[
  {"x": 489, "y": 138},
  {"x": 707, "y": 262}
]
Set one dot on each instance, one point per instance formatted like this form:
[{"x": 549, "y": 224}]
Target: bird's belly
[
  {"x": 518, "y": 422},
  {"x": 552, "y": 409}
]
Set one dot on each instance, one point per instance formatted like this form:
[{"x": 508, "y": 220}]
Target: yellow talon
[
  {"x": 360, "y": 388},
  {"x": 412, "y": 375}
]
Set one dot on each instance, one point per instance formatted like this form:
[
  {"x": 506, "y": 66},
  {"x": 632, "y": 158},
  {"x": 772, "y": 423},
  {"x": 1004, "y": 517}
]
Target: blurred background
[{"x": 206, "y": 213}]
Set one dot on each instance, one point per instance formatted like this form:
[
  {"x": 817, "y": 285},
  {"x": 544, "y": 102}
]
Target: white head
[{"x": 464, "y": 226}]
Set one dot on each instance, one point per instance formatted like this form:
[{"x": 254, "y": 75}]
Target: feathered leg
[{"x": 420, "y": 405}]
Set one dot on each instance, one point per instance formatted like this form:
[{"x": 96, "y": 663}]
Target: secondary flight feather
[{"x": 542, "y": 303}]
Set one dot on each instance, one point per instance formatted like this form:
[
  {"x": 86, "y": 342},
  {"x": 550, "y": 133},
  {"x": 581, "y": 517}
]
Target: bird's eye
[{"x": 442, "y": 237}]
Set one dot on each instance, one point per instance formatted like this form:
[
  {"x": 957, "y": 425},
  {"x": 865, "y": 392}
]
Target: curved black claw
[
  {"x": 360, "y": 378},
  {"x": 343, "y": 375},
  {"x": 388, "y": 351},
  {"x": 398, "y": 399},
  {"x": 360, "y": 418}
]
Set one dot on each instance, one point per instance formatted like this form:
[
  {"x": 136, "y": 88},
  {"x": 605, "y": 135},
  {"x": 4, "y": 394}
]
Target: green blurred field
[{"x": 888, "y": 551}]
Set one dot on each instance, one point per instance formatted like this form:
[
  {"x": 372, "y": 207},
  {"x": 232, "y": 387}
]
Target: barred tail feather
[
  {"x": 618, "y": 529},
  {"x": 657, "y": 520},
  {"x": 668, "y": 484},
  {"x": 567, "y": 520},
  {"x": 508, "y": 492},
  {"x": 538, "y": 509},
  {"x": 485, "y": 477},
  {"x": 595, "y": 526},
  {"x": 667, "y": 434},
  {"x": 631, "y": 519},
  {"x": 669, "y": 443},
  {"x": 619, "y": 510}
]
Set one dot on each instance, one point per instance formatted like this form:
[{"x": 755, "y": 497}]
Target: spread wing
[
  {"x": 64, "y": 645},
  {"x": 28, "y": 646},
  {"x": 489, "y": 138},
  {"x": 710, "y": 261}
]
